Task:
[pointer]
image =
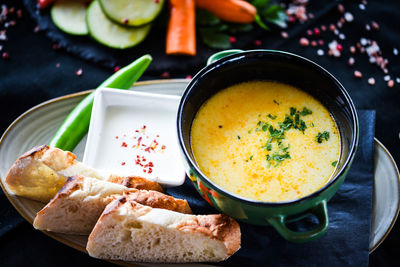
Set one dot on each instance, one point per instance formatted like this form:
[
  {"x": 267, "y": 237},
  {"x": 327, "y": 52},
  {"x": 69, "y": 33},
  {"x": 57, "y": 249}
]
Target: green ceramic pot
[{"x": 231, "y": 67}]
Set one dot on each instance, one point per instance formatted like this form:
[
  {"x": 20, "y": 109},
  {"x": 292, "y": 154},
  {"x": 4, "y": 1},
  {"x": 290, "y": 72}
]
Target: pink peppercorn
[
  {"x": 232, "y": 39},
  {"x": 165, "y": 74},
  {"x": 309, "y": 32},
  {"x": 390, "y": 83},
  {"x": 371, "y": 81},
  {"x": 304, "y": 41},
  {"x": 257, "y": 42},
  {"x": 316, "y": 31},
  {"x": 357, "y": 74},
  {"x": 339, "y": 47},
  {"x": 117, "y": 68},
  {"x": 313, "y": 43}
]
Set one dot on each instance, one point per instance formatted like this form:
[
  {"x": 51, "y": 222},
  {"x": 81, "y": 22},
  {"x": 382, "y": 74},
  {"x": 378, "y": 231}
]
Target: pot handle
[
  {"x": 320, "y": 211},
  {"x": 221, "y": 54}
]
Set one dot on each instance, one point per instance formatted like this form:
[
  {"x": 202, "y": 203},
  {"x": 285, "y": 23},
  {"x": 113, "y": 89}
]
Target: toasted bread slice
[
  {"x": 80, "y": 202},
  {"x": 42, "y": 171},
  {"x": 130, "y": 231}
]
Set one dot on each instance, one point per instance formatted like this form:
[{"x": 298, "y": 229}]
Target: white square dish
[{"x": 134, "y": 134}]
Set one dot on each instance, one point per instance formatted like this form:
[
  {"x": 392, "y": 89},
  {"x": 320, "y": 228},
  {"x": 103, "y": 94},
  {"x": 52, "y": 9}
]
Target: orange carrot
[
  {"x": 237, "y": 11},
  {"x": 181, "y": 35}
]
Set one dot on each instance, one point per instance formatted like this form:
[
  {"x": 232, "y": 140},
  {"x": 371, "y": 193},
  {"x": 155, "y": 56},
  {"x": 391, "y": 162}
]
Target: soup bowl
[{"x": 232, "y": 67}]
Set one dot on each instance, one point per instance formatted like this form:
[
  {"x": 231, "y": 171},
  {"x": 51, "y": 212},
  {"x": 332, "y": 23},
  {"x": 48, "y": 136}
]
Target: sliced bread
[
  {"x": 130, "y": 231},
  {"x": 80, "y": 202},
  {"x": 42, "y": 171}
]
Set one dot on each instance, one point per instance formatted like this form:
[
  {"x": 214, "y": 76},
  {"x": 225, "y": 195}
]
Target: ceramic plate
[{"x": 37, "y": 126}]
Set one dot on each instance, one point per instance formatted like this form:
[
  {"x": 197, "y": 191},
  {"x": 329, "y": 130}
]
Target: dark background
[{"x": 30, "y": 76}]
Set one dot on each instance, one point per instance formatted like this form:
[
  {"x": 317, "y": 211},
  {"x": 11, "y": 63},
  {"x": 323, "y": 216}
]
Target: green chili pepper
[{"x": 77, "y": 123}]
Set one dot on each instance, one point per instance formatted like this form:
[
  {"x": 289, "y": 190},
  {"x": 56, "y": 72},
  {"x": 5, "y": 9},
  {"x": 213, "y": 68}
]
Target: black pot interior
[{"x": 275, "y": 66}]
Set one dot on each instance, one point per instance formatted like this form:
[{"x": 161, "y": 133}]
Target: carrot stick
[
  {"x": 236, "y": 11},
  {"x": 181, "y": 34}
]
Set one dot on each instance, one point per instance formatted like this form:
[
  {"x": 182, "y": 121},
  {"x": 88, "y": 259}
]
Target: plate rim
[
  {"x": 393, "y": 222},
  {"x": 141, "y": 83}
]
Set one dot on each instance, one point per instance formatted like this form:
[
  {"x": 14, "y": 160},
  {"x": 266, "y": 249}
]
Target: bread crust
[
  {"x": 217, "y": 226},
  {"x": 39, "y": 173},
  {"x": 75, "y": 212}
]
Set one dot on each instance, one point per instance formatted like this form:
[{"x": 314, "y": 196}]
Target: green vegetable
[
  {"x": 111, "y": 34},
  {"x": 322, "y": 136},
  {"x": 69, "y": 16},
  {"x": 131, "y": 13},
  {"x": 76, "y": 125},
  {"x": 334, "y": 163},
  {"x": 272, "y": 117}
]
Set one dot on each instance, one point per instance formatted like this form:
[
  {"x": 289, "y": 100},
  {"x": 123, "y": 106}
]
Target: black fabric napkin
[{"x": 346, "y": 242}]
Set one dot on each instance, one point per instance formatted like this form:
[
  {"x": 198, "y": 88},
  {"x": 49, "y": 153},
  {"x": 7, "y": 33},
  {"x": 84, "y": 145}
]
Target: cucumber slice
[
  {"x": 111, "y": 34},
  {"x": 69, "y": 16},
  {"x": 132, "y": 12}
]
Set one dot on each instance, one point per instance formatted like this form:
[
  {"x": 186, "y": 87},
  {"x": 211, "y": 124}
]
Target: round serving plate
[{"x": 37, "y": 125}]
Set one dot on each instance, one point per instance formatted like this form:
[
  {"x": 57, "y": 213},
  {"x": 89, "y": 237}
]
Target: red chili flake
[
  {"x": 56, "y": 46},
  {"x": 143, "y": 145},
  {"x": 157, "y": 1},
  {"x": 151, "y": 164},
  {"x": 143, "y": 127},
  {"x": 189, "y": 77},
  {"x": 321, "y": 42},
  {"x": 125, "y": 21},
  {"x": 352, "y": 49},
  {"x": 323, "y": 28},
  {"x": 371, "y": 81},
  {"x": 116, "y": 137},
  {"x": 357, "y": 74},
  {"x": 124, "y": 144},
  {"x": 158, "y": 135},
  {"x": 341, "y": 8},
  {"x": 332, "y": 27},
  {"x": 257, "y": 42},
  {"x": 375, "y": 25},
  {"x": 316, "y": 31},
  {"x": 19, "y": 13},
  {"x": 136, "y": 131},
  {"x": 390, "y": 83},
  {"x": 150, "y": 170},
  {"x": 163, "y": 147},
  {"x": 5, "y": 55},
  {"x": 144, "y": 170},
  {"x": 232, "y": 39},
  {"x": 304, "y": 41},
  {"x": 58, "y": 65},
  {"x": 123, "y": 163},
  {"x": 284, "y": 35},
  {"x": 79, "y": 72},
  {"x": 143, "y": 159},
  {"x": 165, "y": 74},
  {"x": 309, "y": 32},
  {"x": 139, "y": 140},
  {"x": 339, "y": 47},
  {"x": 117, "y": 68}
]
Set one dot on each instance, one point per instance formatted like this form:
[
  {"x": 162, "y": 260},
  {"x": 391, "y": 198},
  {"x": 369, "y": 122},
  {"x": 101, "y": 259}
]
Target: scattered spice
[
  {"x": 322, "y": 136},
  {"x": 390, "y": 83},
  {"x": 79, "y": 72},
  {"x": 357, "y": 74},
  {"x": 165, "y": 74},
  {"x": 351, "y": 61},
  {"x": 117, "y": 68},
  {"x": 304, "y": 41},
  {"x": 371, "y": 81}
]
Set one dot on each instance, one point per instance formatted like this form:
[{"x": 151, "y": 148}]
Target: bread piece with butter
[
  {"x": 130, "y": 231},
  {"x": 42, "y": 171},
  {"x": 77, "y": 206}
]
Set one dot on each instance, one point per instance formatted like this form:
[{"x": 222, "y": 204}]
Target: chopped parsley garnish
[
  {"x": 322, "y": 136},
  {"x": 272, "y": 117},
  {"x": 334, "y": 163},
  {"x": 238, "y": 137},
  {"x": 249, "y": 131},
  {"x": 251, "y": 157},
  {"x": 312, "y": 124},
  {"x": 276, "y": 102},
  {"x": 305, "y": 112}
]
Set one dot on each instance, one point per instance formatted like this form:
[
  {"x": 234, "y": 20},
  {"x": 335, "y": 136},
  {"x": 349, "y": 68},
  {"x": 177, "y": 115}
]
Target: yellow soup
[{"x": 265, "y": 141}]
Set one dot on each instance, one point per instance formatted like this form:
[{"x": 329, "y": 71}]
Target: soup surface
[{"x": 265, "y": 141}]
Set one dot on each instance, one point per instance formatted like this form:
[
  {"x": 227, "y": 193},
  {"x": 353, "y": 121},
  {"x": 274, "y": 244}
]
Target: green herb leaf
[
  {"x": 276, "y": 102},
  {"x": 272, "y": 117},
  {"x": 260, "y": 22},
  {"x": 251, "y": 157},
  {"x": 312, "y": 124},
  {"x": 305, "y": 112},
  {"x": 215, "y": 39},
  {"x": 239, "y": 27},
  {"x": 292, "y": 111},
  {"x": 206, "y": 18},
  {"x": 238, "y": 137},
  {"x": 322, "y": 136},
  {"x": 334, "y": 163},
  {"x": 260, "y": 4}
]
